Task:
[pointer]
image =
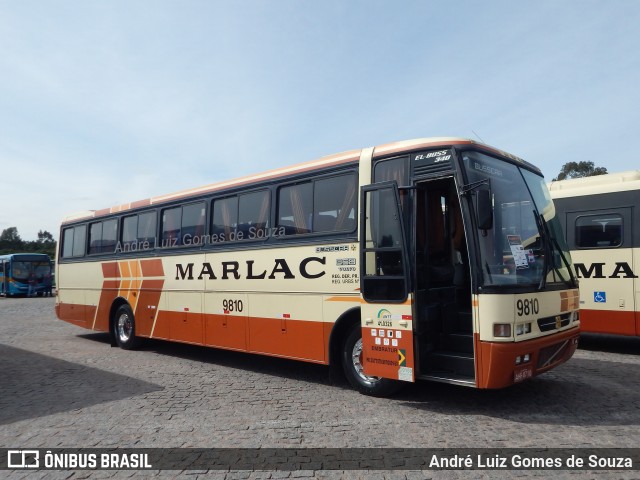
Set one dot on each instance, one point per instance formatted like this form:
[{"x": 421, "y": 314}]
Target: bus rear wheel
[
  {"x": 354, "y": 370},
  {"x": 124, "y": 328}
]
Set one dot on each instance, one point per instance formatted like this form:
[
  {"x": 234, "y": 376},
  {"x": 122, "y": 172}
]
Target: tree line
[
  {"x": 10, "y": 242},
  {"x": 579, "y": 170}
]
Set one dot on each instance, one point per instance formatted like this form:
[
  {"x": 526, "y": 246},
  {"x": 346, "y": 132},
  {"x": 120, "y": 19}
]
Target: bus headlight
[{"x": 501, "y": 329}]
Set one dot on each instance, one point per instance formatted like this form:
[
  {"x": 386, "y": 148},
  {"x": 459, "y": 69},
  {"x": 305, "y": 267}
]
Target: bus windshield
[
  {"x": 22, "y": 270},
  {"x": 525, "y": 245}
]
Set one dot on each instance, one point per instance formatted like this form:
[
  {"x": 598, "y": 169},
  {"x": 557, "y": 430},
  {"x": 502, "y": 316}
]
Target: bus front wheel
[
  {"x": 124, "y": 328},
  {"x": 354, "y": 370}
]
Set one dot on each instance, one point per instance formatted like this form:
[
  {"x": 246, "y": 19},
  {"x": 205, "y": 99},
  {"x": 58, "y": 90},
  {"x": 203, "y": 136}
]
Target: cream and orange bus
[
  {"x": 437, "y": 259},
  {"x": 600, "y": 217}
]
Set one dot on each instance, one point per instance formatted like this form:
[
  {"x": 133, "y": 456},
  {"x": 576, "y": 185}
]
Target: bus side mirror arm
[{"x": 484, "y": 210}]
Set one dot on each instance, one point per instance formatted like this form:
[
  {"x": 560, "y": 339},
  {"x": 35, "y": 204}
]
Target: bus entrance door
[
  {"x": 386, "y": 312},
  {"x": 444, "y": 326}
]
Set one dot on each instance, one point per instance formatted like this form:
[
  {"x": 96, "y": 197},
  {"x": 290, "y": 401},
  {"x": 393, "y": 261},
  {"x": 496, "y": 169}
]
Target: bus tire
[
  {"x": 353, "y": 369},
  {"x": 124, "y": 328}
]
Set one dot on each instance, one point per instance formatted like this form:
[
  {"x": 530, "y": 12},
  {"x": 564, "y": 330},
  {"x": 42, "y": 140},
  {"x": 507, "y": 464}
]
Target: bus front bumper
[{"x": 502, "y": 364}]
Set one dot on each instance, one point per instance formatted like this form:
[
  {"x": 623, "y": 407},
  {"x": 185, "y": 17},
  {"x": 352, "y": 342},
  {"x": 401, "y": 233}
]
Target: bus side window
[
  {"x": 253, "y": 214},
  {"x": 103, "y": 236},
  {"x": 334, "y": 203},
  {"x": 295, "y": 208},
  {"x": 95, "y": 238},
  {"x": 394, "y": 169},
  {"x": 129, "y": 229},
  {"x": 599, "y": 231},
  {"x": 147, "y": 228},
  {"x": 224, "y": 219},
  {"x": 325, "y": 205},
  {"x": 171, "y": 224},
  {"x": 79, "y": 240},
  {"x": 67, "y": 243},
  {"x": 109, "y": 235},
  {"x": 73, "y": 241},
  {"x": 193, "y": 218}
]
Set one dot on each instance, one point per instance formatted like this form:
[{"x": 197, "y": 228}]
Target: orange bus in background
[
  {"x": 601, "y": 220},
  {"x": 437, "y": 259}
]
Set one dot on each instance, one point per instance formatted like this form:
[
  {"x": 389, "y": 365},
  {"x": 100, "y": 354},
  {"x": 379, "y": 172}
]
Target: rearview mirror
[{"x": 484, "y": 209}]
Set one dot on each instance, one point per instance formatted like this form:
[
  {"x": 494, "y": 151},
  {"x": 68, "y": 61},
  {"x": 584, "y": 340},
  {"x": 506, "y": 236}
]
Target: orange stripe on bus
[
  {"x": 124, "y": 287},
  {"x": 225, "y": 331},
  {"x": 124, "y": 269},
  {"x": 569, "y": 300},
  {"x": 287, "y": 338},
  {"x": 141, "y": 203},
  {"x": 152, "y": 268},
  {"x": 575, "y": 302},
  {"x": 110, "y": 289},
  {"x": 393, "y": 147},
  {"x": 110, "y": 270},
  {"x": 359, "y": 300},
  {"x": 344, "y": 299},
  {"x": 134, "y": 269},
  {"x": 73, "y": 313},
  {"x": 147, "y": 307},
  {"x": 295, "y": 339},
  {"x": 610, "y": 321}
]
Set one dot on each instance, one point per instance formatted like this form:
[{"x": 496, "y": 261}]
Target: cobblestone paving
[{"x": 63, "y": 386}]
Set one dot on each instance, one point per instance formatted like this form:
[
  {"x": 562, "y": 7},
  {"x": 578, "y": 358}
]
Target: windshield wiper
[
  {"x": 465, "y": 189},
  {"x": 543, "y": 227},
  {"x": 545, "y": 248}
]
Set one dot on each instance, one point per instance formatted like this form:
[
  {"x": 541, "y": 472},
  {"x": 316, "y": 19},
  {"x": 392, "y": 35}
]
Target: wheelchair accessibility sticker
[{"x": 600, "y": 297}]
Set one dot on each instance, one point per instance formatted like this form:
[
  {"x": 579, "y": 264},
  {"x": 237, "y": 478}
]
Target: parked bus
[
  {"x": 436, "y": 259},
  {"x": 25, "y": 274},
  {"x": 601, "y": 220}
]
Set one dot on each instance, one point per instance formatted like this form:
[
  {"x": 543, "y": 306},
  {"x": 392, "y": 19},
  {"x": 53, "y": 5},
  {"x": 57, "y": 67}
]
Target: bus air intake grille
[
  {"x": 434, "y": 169},
  {"x": 551, "y": 354},
  {"x": 553, "y": 323}
]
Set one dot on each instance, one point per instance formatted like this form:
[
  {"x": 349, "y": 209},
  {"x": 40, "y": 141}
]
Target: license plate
[{"x": 522, "y": 373}]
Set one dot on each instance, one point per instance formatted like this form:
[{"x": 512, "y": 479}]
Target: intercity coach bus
[
  {"x": 436, "y": 259},
  {"x": 600, "y": 217}
]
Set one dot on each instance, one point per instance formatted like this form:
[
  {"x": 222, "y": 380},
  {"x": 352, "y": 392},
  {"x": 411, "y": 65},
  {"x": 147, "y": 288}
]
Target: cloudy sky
[{"x": 105, "y": 102}]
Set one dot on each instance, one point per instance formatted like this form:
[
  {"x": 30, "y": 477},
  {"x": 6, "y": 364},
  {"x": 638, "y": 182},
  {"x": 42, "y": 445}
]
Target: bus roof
[
  {"x": 328, "y": 161},
  {"x": 34, "y": 257},
  {"x": 612, "y": 182}
]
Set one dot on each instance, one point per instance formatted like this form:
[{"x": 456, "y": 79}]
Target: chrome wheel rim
[
  {"x": 356, "y": 358},
  {"x": 125, "y": 328}
]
